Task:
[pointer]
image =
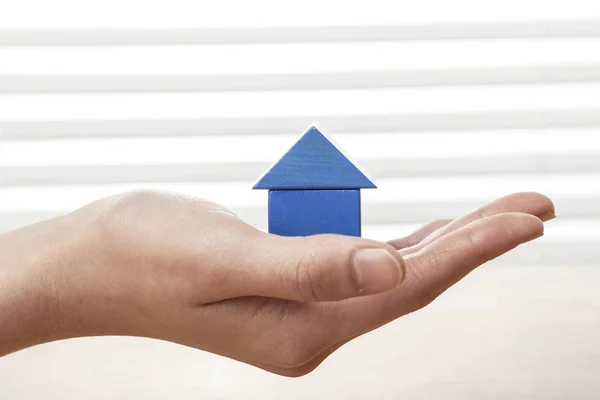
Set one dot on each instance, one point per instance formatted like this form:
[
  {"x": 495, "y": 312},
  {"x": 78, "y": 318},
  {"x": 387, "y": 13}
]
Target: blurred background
[{"x": 448, "y": 105}]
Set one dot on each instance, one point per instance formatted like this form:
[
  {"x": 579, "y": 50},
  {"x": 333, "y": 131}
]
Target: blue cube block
[{"x": 311, "y": 212}]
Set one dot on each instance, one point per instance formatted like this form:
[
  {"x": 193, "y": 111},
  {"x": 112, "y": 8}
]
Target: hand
[{"x": 188, "y": 271}]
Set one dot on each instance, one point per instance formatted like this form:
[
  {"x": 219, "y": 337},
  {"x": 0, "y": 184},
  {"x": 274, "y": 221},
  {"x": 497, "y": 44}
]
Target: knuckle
[
  {"x": 116, "y": 217},
  {"x": 313, "y": 280},
  {"x": 119, "y": 206},
  {"x": 472, "y": 242}
]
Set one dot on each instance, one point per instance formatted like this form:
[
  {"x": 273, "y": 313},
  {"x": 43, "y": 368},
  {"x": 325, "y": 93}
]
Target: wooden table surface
[{"x": 506, "y": 332}]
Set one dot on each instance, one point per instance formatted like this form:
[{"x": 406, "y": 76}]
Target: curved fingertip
[
  {"x": 548, "y": 209},
  {"x": 533, "y": 203},
  {"x": 537, "y": 227}
]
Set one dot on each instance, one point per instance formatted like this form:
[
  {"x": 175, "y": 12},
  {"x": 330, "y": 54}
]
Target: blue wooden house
[{"x": 314, "y": 188}]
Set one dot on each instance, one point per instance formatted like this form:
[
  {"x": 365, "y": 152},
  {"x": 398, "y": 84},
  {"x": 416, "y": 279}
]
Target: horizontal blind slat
[
  {"x": 13, "y": 84},
  {"x": 507, "y": 120},
  {"x": 231, "y": 60},
  {"x": 430, "y": 145},
  {"x": 219, "y": 172},
  {"x": 128, "y": 37},
  {"x": 236, "y": 105}
]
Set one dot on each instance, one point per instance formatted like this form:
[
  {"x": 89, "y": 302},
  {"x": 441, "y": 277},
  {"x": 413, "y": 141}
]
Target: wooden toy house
[{"x": 314, "y": 188}]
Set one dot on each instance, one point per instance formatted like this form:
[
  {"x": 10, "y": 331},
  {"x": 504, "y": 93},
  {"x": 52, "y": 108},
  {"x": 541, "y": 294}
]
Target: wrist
[{"x": 37, "y": 302}]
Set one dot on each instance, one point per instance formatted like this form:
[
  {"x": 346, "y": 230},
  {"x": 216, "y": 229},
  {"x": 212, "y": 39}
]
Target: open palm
[{"x": 299, "y": 336}]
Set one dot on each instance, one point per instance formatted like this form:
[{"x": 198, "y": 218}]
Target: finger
[
  {"x": 418, "y": 235},
  {"x": 530, "y": 203},
  {"x": 314, "y": 268},
  {"x": 438, "y": 266},
  {"x": 443, "y": 263}
]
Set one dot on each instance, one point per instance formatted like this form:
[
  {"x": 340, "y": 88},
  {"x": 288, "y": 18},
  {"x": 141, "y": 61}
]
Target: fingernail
[
  {"x": 547, "y": 216},
  {"x": 376, "y": 270}
]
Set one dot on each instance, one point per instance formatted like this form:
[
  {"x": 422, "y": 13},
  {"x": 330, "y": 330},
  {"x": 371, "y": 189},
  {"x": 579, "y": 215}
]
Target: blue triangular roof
[{"x": 314, "y": 162}]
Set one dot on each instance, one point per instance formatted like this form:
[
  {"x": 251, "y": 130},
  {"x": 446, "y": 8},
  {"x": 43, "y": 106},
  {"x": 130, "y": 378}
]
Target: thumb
[{"x": 319, "y": 267}]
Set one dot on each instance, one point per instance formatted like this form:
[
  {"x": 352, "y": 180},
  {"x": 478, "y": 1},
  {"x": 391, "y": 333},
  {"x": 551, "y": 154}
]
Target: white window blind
[{"x": 446, "y": 110}]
